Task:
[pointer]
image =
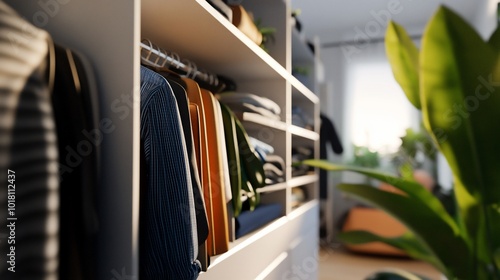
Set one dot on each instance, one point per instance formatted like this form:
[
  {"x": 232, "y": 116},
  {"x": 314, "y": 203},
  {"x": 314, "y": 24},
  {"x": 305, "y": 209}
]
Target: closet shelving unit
[{"x": 108, "y": 33}]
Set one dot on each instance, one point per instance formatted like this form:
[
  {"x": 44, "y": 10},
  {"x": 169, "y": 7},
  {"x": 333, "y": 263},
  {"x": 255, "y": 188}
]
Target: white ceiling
[{"x": 339, "y": 20}]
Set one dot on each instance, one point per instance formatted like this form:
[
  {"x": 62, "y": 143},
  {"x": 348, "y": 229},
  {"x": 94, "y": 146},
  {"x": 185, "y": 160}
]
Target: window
[{"x": 378, "y": 112}]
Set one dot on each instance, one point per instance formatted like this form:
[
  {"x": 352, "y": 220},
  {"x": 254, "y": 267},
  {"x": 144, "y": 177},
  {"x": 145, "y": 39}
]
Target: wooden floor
[{"x": 337, "y": 264}]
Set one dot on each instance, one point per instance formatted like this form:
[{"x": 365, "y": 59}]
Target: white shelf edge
[
  {"x": 301, "y": 88},
  {"x": 247, "y": 240},
  {"x": 304, "y": 133},
  {"x": 302, "y": 209},
  {"x": 272, "y": 266},
  {"x": 302, "y": 180},
  {"x": 239, "y": 34},
  {"x": 267, "y": 58},
  {"x": 272, "y": 188},
  {"x": 261, "y": 120}
]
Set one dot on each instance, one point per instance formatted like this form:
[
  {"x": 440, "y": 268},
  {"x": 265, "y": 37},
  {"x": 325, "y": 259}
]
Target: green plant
[
  {"x": 453, "y": 79},
  {"x": 267, "y": 34},
  {"x": 364, "y": 157},
  {"x": 300, "y": 70},
  {"x": 413, "y": 144}
]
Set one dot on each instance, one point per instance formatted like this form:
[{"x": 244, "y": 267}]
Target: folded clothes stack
[
  {"x": 240, "y": 102},
  {"x": 274, "y": 169},
  {"x": 263, "y": 214},
  {"x": 300, "y": 154},
  {"x": 274, "y": 165},
  {"x": 300, "y": 118}
]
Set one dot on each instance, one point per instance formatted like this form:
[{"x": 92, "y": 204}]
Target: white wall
[
  {"x": 485, "y": 19},
  {"x": 333, "y": 105}
]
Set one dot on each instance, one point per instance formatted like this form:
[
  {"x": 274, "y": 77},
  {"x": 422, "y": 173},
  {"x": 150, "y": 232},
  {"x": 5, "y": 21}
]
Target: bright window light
[{"x": 378, "y": 111}]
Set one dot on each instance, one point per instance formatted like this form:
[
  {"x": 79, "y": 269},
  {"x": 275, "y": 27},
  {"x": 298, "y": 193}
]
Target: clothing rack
[{"x": 155, "y": 56}]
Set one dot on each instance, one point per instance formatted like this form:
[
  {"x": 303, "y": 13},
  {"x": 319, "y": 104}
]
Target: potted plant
[{"x": 455, "y": 81}]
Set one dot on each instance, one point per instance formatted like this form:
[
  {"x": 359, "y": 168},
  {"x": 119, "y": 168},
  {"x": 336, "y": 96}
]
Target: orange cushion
[{"x": 377, "y": 222}]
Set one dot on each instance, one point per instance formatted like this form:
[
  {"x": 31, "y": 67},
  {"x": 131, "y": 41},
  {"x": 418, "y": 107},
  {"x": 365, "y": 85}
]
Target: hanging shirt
[
  {"x": 178, "y": 88},
  {"x": 168, "y": 224},
  {"x": 29, "y": 192},
  {"x": 75, "y": 106},
  {"x": 327, "y": 134}
]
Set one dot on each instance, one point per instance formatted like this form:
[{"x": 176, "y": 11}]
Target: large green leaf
[
  {"x": 497, "y": 257},
  {"x": 460, "y": 103},
  {"x": 410, "y": 187},
  {"x": 494, "y": 40},
  {"x": 429, "y": 227},
  {"x": 403, "y": 56},
  {"x": 493, "y": 228},
  {"x": 406, "y": 242},
  {"x": 460, "y": 106}
]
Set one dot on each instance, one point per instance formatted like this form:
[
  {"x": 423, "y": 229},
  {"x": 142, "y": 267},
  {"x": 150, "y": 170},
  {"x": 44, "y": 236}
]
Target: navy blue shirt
[{"x": 168, "y": 248}]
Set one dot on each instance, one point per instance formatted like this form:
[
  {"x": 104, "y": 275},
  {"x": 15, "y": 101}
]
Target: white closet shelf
[
  {"x": 232, "y": 53},
  {"x": 302, "y": 180},
  {"x": 304, "y": 133},
  {"x": 272, "y": 188},
  {"x": 268, "y": 237},
  {"x": 251, "y": 119},
  {"x": 301, "y": 93}
]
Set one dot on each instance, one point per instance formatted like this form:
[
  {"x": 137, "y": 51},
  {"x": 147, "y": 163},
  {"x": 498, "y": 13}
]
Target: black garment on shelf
[
  {"x": 28, "y": 153},
  {"x": 75, "y": 105},
  {"x": 327, "y": 134}
]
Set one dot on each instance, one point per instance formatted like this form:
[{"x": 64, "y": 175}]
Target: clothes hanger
[{"x": 155, "y": 57}]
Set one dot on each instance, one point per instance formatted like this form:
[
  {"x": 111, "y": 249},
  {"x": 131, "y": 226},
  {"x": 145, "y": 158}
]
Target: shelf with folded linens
[
  {"x": 253, "y": 108},
  {"x": 253, "y": 121}
]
